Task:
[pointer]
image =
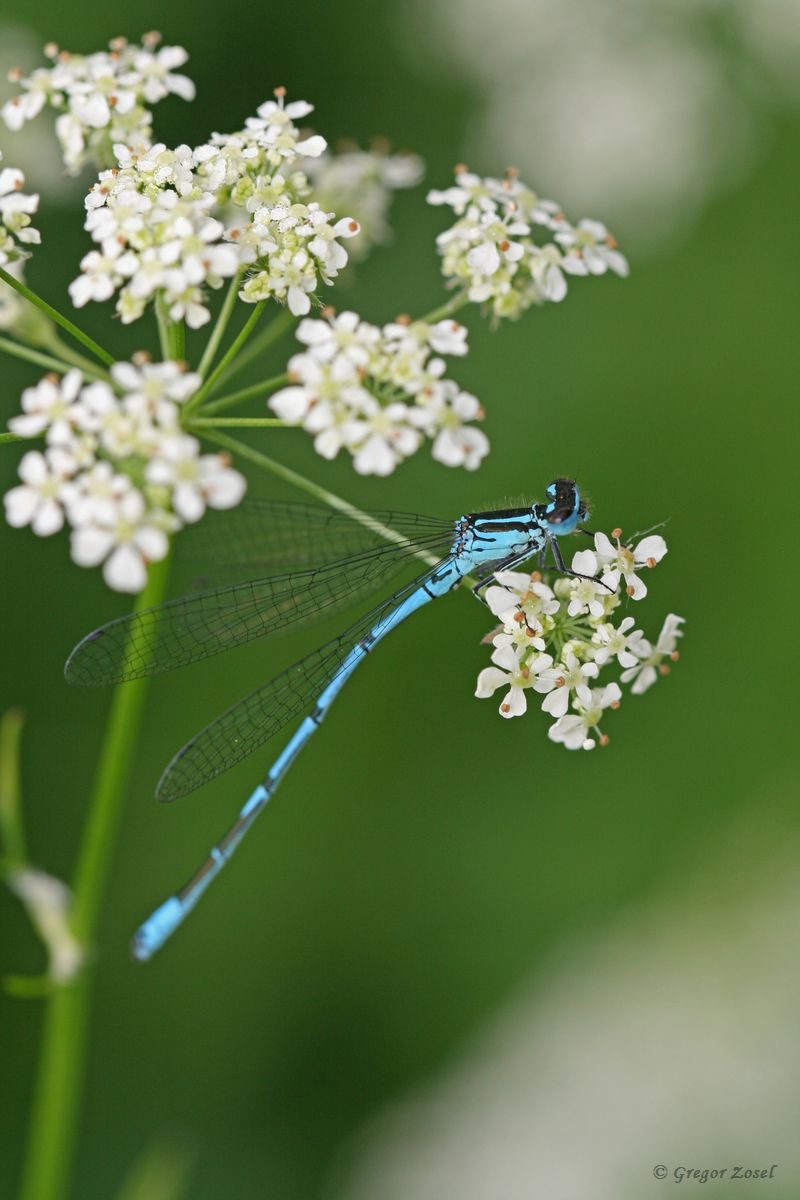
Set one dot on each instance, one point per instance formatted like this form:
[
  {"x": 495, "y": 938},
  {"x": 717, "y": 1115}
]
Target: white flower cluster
[
  {"x": 362, "y": 182},
  {"x": 173, "y": 222},
  {"x": 101, "y": 98},
  {"x": 377, "y": 393},
  {"x": 490, "y": 252},
  {"x": 290, "y": 241},
  {"x": 16, "y": 231},
  {"x": 556, "y": 641},
  {"x": 153, "y": 240},
  {"x": 117, "y": 467}
]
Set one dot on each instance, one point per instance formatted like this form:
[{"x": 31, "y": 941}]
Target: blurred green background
[{"x": 426, "y": 864}]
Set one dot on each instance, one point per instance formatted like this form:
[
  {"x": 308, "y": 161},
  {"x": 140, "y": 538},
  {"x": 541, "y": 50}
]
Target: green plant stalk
[
  {"x": 221, "y": 324},
  {"x": 12, "y": 833},
  {"x": 16, "y": 437},
  {"x": 163, "y": 322},
  {"x": 230, "y": 354},
  {"x": 59, "y": 1084},
  {"x": 176, "y": 334},
  {"x": 59, "y": 319},
  {"x": 76, "y": 359},
  {"x": 254, "y": 391},
  {"x": 239, "y": 422},
  {"x": 60, "y": 365},
  {"x": 277, "y": 327},
  {"x": 445, "y": 310}
]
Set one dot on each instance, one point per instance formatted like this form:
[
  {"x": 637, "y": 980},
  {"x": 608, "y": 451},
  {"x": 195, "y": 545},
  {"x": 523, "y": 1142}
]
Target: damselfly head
[{"x": 564, "y": 509}]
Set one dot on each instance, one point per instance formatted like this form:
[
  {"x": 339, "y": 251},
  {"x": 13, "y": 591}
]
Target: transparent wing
[
  {"x": 253, "y": 720},
  {"x": 259, "y": 537},
  {"x": 195, "y": 627}
]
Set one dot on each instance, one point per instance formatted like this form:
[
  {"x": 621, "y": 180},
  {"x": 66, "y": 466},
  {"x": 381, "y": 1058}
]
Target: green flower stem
[
  {"x": 59, "y": 319},
  {"x": 163, "y": 322},
  {"x": 57, "y": 1098},
  {"x": 313, "y": 489},
  {"x": 228, "y": 357},
  {"x": 212, "y": 345},
  {"x": 277, "y": 327},
  {"x": 240, "y": 422},
  {"x": 17, "y": 350},
  {"x": 12, "y": 834},
  {"x": 16, "y": 437},
  {"x": 75, "y": 359},
  {"x": 446, "y": 310},
  {"x": 255, "y": 391},
  {"x": 176, "y": 333}
]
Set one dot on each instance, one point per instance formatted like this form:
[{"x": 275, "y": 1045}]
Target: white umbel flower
[
  {"x": 102, "y": 98},
  {"x": 16, "y": 209},
  {"x": 559, "y": 639},
  {"x": 645, "y": 673},
  {"x": 39, "y": 500},
  {"x": 378, "y": 393},
  {"x": 118, "y": 468},
  {"x": 517, "y": 670},
  {"x": 620, "y": 561},
  {"x": 152, "y": 240},
  {"x": 196, "y": 481},
  {"x": 492, "y": 255},
  {"x": 50, "y": 405},
  {"x": 124, "y": 545},
  {"x": 575, "y": 730}
]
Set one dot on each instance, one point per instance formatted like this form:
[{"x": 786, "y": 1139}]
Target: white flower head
[
  {"x": 651, "y": 658},
  {"x": 620, "y": 561},
  {"x": 156, "y": 236},
  {"x": 50, "y": 407},
  {"x": 378, "y": 393},
  {"x": 117, "y": 467},
  {"x": 16, "y": 209},
  {"x": 101, "y": 98},
  {"x": 125, "y": 544},
  {"x": 517, "y": 669},
  {"x": 568, "y": 626},
  {"x": 580, "y": 731},
  {"x": 39, "y": 500},
  {"x": 195, "y": 481},
  {"x": 491, "y": 252}
]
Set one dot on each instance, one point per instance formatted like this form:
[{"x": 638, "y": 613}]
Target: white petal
[
  {"x": 124, "y": 570},
  {"x": 90, "y": 546},
  {"x": 484, "y": 259},
  {"x": 47, "y": 519},
  {"x": 638, "y": 587},
  {"x": 515, "y": 703},
  {"x": 188, "y": 503},
  {"x": 20, "y": 505},
  {"x": 556, "y": 702},
  {"x": 604, "y": 546},
  {"x": 584, "y": 562},
  {"x": 312, "y": 147},
  {"x": 152, "y": 542},
  {"x": 291, "y": 403},
  {"x": 489, "y": 680},
  {"x": 650, "y": 547}
]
